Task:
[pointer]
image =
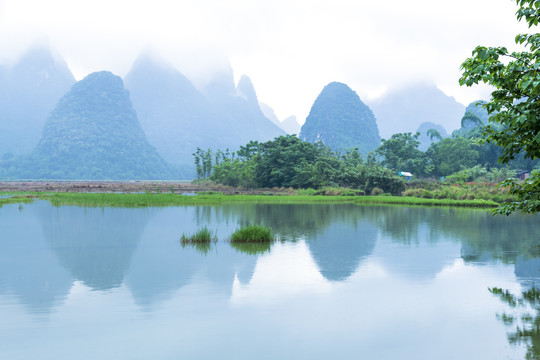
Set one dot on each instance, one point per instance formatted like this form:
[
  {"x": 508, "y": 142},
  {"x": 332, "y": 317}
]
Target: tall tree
[
  {"x": 451, "y": 155},
  {"x": 400, "y": 153},
  {"x": 515, "y": 104}
]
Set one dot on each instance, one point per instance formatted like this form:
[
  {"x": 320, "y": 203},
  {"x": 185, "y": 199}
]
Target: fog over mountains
[
  {"x": 178, "y": 118},
  {"x": 93, "y": 133},
  {"x": 149, "y": 125},
  {"x": 404, "y": 110},
  {"x": 28, "y": 92}
]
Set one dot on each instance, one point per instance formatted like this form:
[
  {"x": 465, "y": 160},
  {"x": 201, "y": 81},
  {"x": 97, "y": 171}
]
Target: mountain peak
[
  {"x": 341, "y": 120},
  {"x": 221, "y": 84},
  {"x": 94, "y": 133},
  {"x": 291, "y": 125},
  {"x": 246, "y": 89},
  {"x": 268, "y": 112},
  {"x": 43, "y": 63},
  {"x": 28, "y": 92}
]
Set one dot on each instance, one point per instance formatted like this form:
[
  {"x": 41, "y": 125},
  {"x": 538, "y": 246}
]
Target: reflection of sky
[
  {"x": 416, "y": 298},
  {"x": 298, "y": 314},
  {"x": 421, "y": 260}
]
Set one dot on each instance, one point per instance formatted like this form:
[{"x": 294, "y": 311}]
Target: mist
[{"x": 290, "y": 49}]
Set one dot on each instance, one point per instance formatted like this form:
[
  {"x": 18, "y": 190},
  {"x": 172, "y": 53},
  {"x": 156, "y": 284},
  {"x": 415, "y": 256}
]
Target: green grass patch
[
  {"x": 404, "y": 200},
  {"x": 16, "y": 199},
  {"x": 252, "y": 234},
  {"x": 168, "y": 199},
  {"x": 203, "y": 235}
]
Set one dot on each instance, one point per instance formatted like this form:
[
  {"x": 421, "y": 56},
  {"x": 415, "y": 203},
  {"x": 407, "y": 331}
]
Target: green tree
[
  {"x": 470, "y": 118},
  {"x": 452, "y": 154},
  {"x": 515, "y": 104},
  {"x": 207, "y": 162},
  {"x": 401, "y": 153},
  {"x": 282, "y": 159},
  {"x": 433, "y": 133},
  {"x": 248, "y": 151},
  {"x": 197, "y": 155}
]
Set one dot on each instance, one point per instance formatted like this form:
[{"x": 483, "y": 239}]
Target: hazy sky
[{"x": 289, "y": 48}]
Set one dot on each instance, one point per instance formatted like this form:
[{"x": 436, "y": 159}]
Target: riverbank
[
  {"x": 170, "y": 199},
  {"x": 177, "y": 187},
  {"x": 172, "y": 193}
]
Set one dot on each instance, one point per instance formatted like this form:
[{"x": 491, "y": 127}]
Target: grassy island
[{"x": 252, "y": 234}]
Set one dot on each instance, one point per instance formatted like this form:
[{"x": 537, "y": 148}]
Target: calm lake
[{"x": 344, "y": 282}]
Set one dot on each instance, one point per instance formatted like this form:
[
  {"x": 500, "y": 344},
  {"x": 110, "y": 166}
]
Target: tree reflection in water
[{"x": 525, "y": 316}]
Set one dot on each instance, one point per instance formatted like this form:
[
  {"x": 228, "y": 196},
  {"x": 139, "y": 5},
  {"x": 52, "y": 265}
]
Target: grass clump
[
  {"x": 16, "y": 199},
  {"x": 201, "y": 236},
  {"x": 252, "y": 234}
]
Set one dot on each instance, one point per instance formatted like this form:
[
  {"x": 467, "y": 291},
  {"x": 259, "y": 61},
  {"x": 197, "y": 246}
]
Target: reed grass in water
[
  {"x": 252, "y": 234},
  {"x": 201, "y": 236}
]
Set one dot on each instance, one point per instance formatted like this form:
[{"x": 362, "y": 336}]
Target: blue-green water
[{"x": 344, "y": 282}]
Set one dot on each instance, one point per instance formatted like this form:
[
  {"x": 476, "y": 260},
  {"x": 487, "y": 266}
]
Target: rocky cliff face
[{"x": 341, "y": 121}]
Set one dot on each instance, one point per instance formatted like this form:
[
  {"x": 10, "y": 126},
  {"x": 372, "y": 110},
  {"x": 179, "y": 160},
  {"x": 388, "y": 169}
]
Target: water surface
[{"x": 344, "y": 282}]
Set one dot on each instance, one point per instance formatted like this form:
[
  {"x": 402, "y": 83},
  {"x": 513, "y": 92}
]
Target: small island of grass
[
  {"x": 201, "y": 236},
  {"x": 252, "y": 234}
]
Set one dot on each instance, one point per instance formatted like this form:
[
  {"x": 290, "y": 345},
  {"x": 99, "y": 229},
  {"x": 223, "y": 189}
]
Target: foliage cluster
[
  {"x": 203, "y": 235},
  {"x": 462, "y": 150},
  {"x": 252, "y": 234},
  {"x": 471, "y": 191},
  {"x": 480, "y": 174},
  {"x": 288, "y": 161},
  {"x": 514, "y": 107}
]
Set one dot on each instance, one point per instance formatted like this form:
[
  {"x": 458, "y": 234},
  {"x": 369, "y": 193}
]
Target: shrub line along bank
[{"x": 144, "y": 200}]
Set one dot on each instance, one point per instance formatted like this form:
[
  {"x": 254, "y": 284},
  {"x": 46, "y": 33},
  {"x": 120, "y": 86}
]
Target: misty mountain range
[
  {"x": 147, "y": 125},
  {"x": 177, "y": 118},
  {"x": 404, "y": 110},
  {"x": 28, "y": 92}
]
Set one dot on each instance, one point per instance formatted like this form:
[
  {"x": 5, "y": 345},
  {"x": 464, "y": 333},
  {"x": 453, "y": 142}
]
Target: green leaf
[
  {"x": 524, "y": 85},
  {"x": 482, "y": 54}
]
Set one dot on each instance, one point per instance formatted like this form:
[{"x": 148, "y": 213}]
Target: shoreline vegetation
[{"x": 416, "y": 194}]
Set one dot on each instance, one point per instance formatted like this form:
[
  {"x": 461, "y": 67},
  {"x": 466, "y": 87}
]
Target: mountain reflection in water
[{"x": 339, "y": 274}]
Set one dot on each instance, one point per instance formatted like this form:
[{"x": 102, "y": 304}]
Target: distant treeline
[
  {"x": 288, "y": 161},
  {"x": 463, "y": 153}
]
